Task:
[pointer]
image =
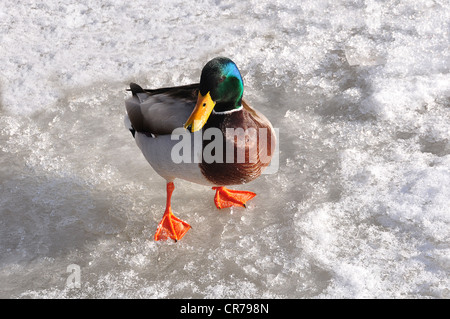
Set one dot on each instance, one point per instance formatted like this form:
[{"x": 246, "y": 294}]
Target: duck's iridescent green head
[
  {"x": 222, "y": 79},
  {"x": 221, "y": 89}
]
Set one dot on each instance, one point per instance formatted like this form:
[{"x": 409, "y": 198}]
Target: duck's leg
[
  {"x": 171, "y": 226},
  {"x": 227, "y": 197}
]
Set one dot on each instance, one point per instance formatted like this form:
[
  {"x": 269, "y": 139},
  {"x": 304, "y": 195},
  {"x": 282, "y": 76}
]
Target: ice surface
[{"x": 359, "y": 207}]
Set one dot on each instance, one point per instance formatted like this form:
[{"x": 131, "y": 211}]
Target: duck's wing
[{"x": 160, "y": 111}]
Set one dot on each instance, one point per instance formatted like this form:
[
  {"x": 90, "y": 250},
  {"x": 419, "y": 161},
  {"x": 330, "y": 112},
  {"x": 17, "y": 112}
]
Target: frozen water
[{"x": 359, "y": 207}]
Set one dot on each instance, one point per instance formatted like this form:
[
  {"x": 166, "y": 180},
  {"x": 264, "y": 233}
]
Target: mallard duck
[{"x": 212, "y": 108}]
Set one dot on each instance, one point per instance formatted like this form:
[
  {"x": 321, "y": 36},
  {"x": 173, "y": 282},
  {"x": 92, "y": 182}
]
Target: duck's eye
[
  {"x": 222, "y": 79},
  {"x": 204, "y": 104}
]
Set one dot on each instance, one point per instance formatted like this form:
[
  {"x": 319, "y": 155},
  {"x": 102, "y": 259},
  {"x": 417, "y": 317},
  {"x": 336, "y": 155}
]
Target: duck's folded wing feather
[{"x": 161, "y": 111}]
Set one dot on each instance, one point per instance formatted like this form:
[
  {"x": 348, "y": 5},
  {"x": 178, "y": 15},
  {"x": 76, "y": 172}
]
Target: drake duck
[{"x": 243, "y": 143}]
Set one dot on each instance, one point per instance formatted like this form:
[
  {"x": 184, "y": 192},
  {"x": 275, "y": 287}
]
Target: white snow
[{"x": 359, "y": 207}]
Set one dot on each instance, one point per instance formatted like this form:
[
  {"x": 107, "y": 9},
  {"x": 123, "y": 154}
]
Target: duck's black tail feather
[{"x": 135, "y": 89}]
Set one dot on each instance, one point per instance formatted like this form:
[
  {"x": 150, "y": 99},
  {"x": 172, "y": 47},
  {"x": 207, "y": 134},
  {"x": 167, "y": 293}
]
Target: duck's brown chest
[{"x": 237, "y": 146}]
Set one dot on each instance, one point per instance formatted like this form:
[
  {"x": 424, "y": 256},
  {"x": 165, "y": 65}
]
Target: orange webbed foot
[
  {"x": 227, "y": 197},
  {"x": 171, "y": 226}
]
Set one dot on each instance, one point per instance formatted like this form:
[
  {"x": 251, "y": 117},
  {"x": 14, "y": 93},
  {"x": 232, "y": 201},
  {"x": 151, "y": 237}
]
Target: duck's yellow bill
[{"x": 201, "y": 112}]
